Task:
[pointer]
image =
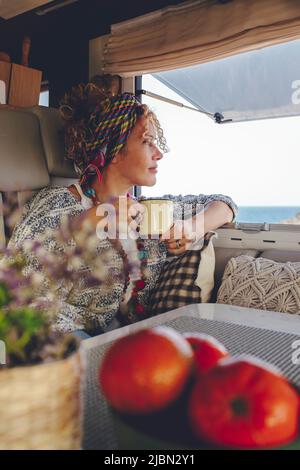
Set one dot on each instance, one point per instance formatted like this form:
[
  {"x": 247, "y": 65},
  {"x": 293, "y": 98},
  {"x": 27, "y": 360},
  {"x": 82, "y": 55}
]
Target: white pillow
[{"x": 206, "y": 272}]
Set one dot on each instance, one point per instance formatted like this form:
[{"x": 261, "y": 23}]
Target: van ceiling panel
[
  {"x": 11, "y": 8},
  {"x": 254, "y": 85}
]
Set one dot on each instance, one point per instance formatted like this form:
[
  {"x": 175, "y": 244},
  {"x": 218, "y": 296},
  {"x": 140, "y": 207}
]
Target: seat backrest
[
  {"x": 22, "y": 158},
  {"x": 52, "y": 135},
  {"x": 31, "y": 154},
  {"x": 282, "y": 256}
]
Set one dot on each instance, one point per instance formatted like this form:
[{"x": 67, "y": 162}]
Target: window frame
[{"x": 250, "y": 227}]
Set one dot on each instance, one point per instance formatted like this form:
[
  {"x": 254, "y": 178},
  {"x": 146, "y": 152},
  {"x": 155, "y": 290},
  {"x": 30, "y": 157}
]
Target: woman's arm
[
  {"x": 215, "y": 214},
  {"x": 201, "y": 214},
  {"x": 190, "y": 204},
  {"x": 224, "y": 205}
]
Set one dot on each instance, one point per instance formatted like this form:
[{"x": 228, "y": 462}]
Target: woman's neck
[{"x": 108, "y": 189}]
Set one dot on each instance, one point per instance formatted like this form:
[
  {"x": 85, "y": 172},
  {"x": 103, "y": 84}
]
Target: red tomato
[
  {"x": 241, "y": 403},
  {"x": 145, "y": 371},
  {"x": 207, "y": 350}
]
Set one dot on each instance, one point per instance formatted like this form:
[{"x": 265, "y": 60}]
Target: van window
[
  {"x": 254, "y": 162},
  {"x": 44, "y": 98}
]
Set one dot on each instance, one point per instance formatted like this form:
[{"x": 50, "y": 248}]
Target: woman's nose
[{"x": 157, "y": 154}]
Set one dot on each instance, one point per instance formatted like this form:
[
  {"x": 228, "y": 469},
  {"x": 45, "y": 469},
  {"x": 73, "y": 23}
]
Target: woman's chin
[
  {"x": 145, "y": 178},
  {"x": 149, "y": 182}
]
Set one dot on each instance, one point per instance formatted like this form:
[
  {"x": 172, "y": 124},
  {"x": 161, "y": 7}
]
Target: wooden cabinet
[{"x": 23, "y": 84}]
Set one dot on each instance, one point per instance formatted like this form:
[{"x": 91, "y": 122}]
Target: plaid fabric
[{"x": 176, "y": 284}]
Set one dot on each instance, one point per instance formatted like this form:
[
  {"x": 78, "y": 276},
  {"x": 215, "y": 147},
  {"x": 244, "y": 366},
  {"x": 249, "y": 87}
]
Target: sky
[{"x": 257, "y": 163}]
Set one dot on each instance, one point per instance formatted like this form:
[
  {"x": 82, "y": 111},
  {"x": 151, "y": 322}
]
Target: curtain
[{"x": 198, "y": 31}]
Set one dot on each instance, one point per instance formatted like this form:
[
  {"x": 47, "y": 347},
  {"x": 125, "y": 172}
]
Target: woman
[{"x": 114, "y": 143}]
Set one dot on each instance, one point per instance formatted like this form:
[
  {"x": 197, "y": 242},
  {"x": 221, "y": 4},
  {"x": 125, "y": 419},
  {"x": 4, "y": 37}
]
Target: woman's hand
[
  {"x": 214, "y": 215},
  {"x": 135, "y": 215},
  {"x": 179, "y": 237},
  {"x": 119, "y": 215}
]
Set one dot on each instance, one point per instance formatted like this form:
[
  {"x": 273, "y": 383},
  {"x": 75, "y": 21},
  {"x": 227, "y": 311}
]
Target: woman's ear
[{"x": 118, "y": 157}]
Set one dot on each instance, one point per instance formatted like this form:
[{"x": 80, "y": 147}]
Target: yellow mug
[{"x": 158, "y": 217}]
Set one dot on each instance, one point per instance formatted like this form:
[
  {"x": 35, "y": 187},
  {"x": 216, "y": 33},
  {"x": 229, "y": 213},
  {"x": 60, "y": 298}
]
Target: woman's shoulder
[
  {"x": 51, "y": 200},
  {"x": 54, "y": 197},
  {"x": 45, "y": 210}
]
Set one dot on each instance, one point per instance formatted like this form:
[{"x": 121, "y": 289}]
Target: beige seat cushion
[
  {"x": 281, "y": 255},
  {"x": 51, "y": 129},
  {"x": 32, "y": 156},
  {"x": 261, "y": 283},
  {"x": 22, "y": 158}
]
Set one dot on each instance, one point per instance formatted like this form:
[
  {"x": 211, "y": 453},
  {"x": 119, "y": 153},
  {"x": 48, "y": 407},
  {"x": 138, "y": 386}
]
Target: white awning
[{"x": 254, "y": 85}]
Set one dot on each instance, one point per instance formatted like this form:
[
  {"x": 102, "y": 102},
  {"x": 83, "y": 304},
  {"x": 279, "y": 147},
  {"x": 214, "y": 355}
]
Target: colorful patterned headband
[{"x": 108, "y": 127}]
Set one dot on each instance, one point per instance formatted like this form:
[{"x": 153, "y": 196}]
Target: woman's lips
[{"x": 154, "y": 170}]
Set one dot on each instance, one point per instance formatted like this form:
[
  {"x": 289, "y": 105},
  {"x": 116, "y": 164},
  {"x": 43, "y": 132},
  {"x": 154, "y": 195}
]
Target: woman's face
[{"x": 138, "y": 160}]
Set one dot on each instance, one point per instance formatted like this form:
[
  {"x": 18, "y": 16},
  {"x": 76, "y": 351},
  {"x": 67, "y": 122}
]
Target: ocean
[{"x": 270, "y": 214}]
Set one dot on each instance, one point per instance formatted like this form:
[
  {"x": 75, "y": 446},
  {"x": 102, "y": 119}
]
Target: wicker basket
[{"x": 40, "y": 406}]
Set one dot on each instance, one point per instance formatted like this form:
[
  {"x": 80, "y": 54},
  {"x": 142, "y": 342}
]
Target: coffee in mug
[{"x": 158, "y": 217}]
